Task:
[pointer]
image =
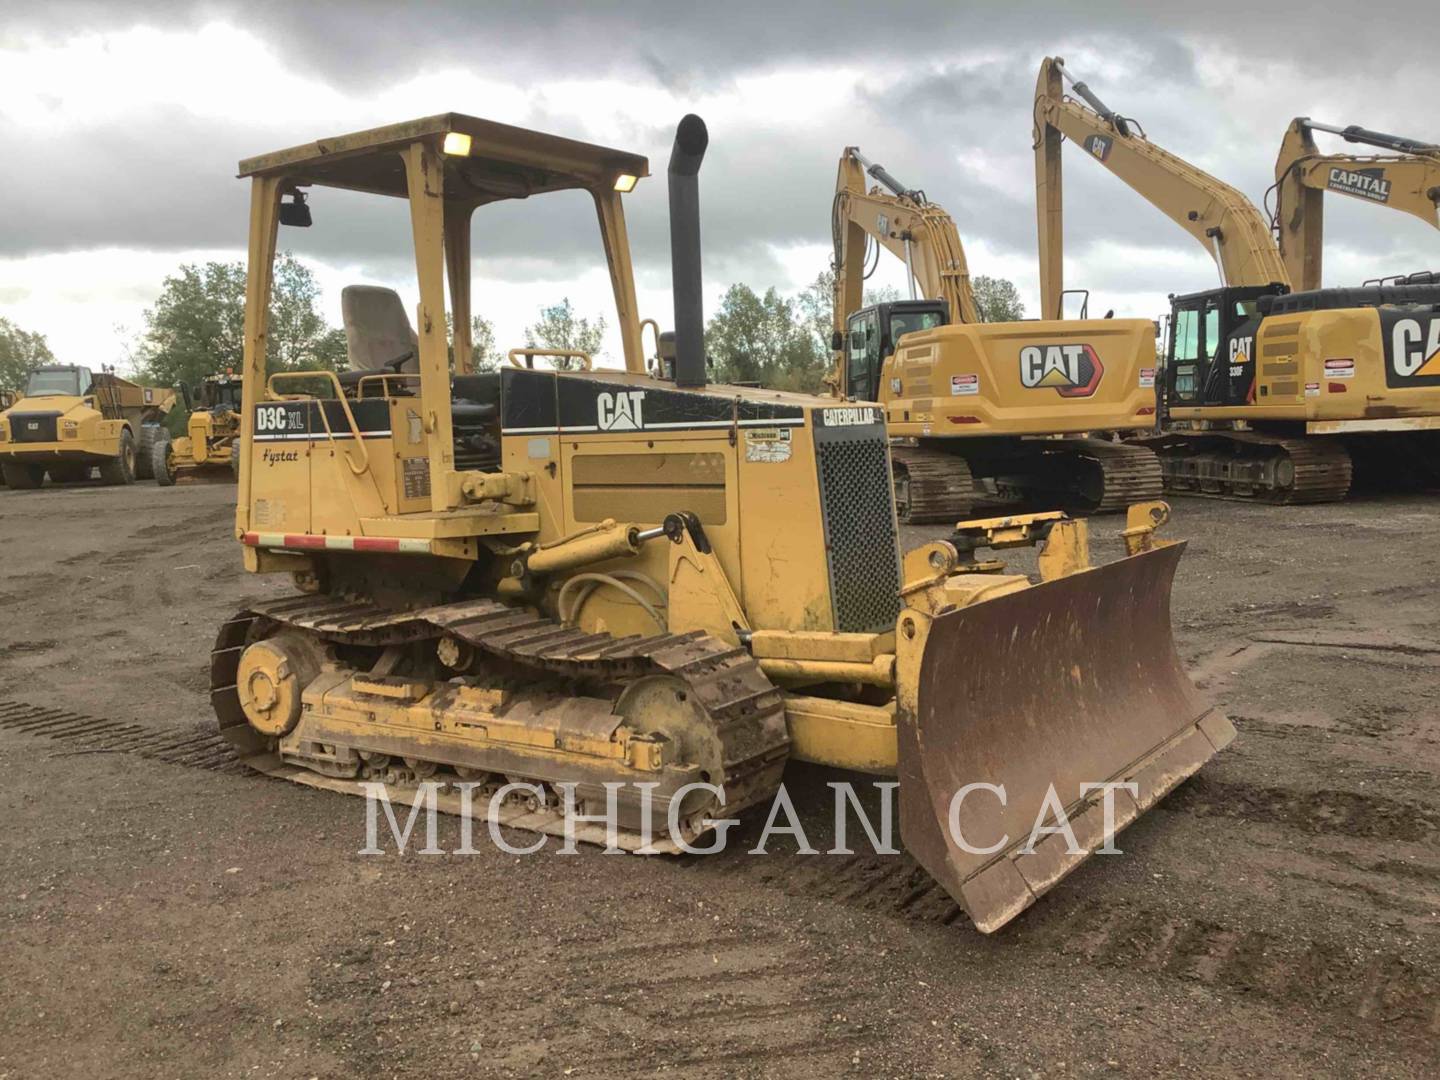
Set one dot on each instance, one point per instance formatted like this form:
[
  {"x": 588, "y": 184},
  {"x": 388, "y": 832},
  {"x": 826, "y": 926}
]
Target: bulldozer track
[
  {"x": 745, "y": 708},
  {"x": 1321, "y": 468},
  {"x": 940, "y": 486}
]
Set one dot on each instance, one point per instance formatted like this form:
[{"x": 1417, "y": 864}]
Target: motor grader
[
  {"x": 656, "y": 590},
  {"x": 211, "y": 443},
  {"x": 69, "y": 421}
]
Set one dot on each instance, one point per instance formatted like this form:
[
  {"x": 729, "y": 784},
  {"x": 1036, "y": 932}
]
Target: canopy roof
[{"x": 503, "y": 162}]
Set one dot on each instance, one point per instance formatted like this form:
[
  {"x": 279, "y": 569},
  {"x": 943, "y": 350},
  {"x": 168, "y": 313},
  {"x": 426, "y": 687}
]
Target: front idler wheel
[{"x": 272, "y": 677}]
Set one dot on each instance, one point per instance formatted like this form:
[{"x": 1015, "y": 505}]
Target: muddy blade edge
[{"x": 1069, "y": 683}]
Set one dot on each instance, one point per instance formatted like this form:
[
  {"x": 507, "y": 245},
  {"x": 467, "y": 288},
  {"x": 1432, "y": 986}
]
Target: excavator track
[
  {"x": 1128, "y": 473},
  {"x": 1250, "y": 466},
  {"x": 931, "y": 485},
  {"x": 1074, "y": 474},
  {"x": 745, "y": 709}
]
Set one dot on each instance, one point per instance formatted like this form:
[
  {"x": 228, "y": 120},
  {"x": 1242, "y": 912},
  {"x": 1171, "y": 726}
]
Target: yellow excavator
[
  {"x": 1407, "y": 179},
  {"x": 1267, "y": 394},
  {"x": 974, "y": 408},
  {"x": 651, "y": 593}
]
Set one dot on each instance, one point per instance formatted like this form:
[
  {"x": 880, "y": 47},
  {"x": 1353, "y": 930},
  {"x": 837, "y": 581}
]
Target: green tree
[
  {"x": 196, "y": 326},
  {"x": 560, "y": 328},
  {"x": 768, "y": 340},
  {"x": 997, "y": 299},
  {"x": 21, "y": 352},
  {"x": 484, "y": 355},
  {"x": 816, "y": 307}
]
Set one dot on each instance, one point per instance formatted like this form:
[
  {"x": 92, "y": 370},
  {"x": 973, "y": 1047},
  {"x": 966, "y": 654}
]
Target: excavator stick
[{"x": 1044, "y": 694}]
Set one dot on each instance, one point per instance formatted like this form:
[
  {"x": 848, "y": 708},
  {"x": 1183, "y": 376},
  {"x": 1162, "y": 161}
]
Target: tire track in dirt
[{"x": 1347, "y": 813}]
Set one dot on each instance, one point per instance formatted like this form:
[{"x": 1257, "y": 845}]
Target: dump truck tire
[
  {"x": 162, "y": 462},
  {"x": 235, "y": 459},
  {"x": 121, "y": 468},
  {"x": 22, "y": 477},
  {"x": 150, "y": 434}
]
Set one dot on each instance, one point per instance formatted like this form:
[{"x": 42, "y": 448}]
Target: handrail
[
  {"x": 530, "y": 355},
  {"x": 384, "y": 381},
  {"x": 344, "y": 404}
]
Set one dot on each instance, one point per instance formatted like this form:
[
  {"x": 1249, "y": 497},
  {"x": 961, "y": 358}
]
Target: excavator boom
[
  {"x": 1218, "y": 216},
  {"x": 1407, "y": 180},
  {"x": 906, "y": 224}
]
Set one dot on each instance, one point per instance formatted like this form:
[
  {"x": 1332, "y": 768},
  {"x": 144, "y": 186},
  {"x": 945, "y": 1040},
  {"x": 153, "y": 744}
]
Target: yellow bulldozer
[
  {"x": 1268, "y": 395},
  {"x": 69, "y": 421},
  {"x": 211, "y": 443},
  {"x": 652, "y": 593},
  {"x": 974, "y": 407}
]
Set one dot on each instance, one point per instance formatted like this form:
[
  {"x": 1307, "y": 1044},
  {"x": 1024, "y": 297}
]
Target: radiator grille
[
  {"x": 860, "y": 540},
  {"x": 33, "y": 427}
]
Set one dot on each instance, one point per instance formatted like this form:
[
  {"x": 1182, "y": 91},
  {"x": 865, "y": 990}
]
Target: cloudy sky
[{"x": 122, "y": 123}]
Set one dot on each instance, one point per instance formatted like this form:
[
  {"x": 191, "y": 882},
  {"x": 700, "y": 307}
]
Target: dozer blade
[{"x": 1071, "y": 682}]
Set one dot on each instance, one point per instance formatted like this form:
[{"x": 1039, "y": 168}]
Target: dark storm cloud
[{"x": 944, "y": 101}]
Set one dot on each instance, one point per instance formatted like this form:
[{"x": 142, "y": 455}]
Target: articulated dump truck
[{"x": 635, "y": 580}]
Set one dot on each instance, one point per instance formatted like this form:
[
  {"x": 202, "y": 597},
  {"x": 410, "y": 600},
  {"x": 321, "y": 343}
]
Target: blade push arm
[
  {"x": 1218, "y": 216},
  {"x": 1408, "y": 182}
]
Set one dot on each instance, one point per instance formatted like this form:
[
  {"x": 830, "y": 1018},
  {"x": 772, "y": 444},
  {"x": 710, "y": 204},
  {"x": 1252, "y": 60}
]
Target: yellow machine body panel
[
  {"x": 1375, "y": 369},
  {"x": 1026, "y": 378}
]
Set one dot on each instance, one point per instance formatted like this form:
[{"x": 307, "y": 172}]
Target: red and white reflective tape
[{"x": 312, "y": 542}]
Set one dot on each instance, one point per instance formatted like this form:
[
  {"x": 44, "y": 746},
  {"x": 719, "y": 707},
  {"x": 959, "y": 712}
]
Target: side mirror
[
  {"x": 837, "y": 341},
  {"x": 296, "y": 212}
]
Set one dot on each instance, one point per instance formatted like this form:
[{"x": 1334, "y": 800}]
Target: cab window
[
  {"x": 1212, "y": 328},
  {"x": 862, "y": 350},
  {"x": 1185, "y": 351},
  {"x": 1187, "y": 335},
  {"x": 45, "y": 383},
  {"x": 908, "y": 322}
]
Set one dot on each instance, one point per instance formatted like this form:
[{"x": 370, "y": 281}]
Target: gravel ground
[{"x": 1275, "y": 915}]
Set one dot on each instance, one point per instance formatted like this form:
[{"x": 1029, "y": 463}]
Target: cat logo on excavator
[{"x": 1071, "y": 370}]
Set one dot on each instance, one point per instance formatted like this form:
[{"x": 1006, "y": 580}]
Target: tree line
[{"x": 196, "y": 328}]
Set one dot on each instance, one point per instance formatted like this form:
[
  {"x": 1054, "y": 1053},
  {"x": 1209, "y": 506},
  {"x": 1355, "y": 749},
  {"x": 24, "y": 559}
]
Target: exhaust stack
[{"x": 691, "y": 139}]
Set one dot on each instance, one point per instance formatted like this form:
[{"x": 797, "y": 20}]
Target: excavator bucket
[{"x": 1043, "y": 694}]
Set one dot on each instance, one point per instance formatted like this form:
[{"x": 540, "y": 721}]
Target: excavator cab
[
  {"x": 871, "y": 334},
  {"x": 1210, "y": 357}
]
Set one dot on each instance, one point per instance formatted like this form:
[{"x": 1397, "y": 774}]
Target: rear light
[
  {"x": 1145, "y": 410},
  {"x": 963, "y": 419},
  {"x": 1337, "y": 388}
]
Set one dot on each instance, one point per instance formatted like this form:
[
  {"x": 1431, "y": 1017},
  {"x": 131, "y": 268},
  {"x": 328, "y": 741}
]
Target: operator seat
[{"x": 377, "y": 333}]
